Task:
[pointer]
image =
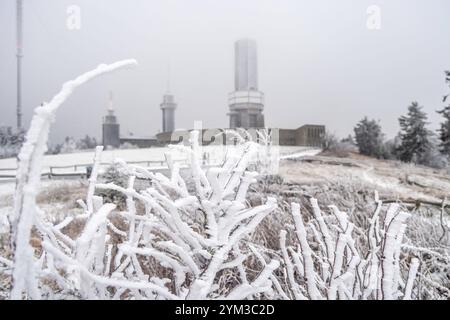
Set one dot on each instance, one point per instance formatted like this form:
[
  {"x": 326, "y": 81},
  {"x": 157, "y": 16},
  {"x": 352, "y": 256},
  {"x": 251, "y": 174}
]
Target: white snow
[
  {"x": 302, "y": 153},
  {"x": 76, "y": 162}
]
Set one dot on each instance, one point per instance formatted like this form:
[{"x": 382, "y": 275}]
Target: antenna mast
[
  {"x": 19, "y": 56},
  {"x": 168, "y": 77}
]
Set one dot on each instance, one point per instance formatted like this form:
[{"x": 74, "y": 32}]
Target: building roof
[{"x": 138, "y": 137}]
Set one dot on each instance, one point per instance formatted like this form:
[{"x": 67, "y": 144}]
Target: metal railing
[{"x": 81, "y": 170}]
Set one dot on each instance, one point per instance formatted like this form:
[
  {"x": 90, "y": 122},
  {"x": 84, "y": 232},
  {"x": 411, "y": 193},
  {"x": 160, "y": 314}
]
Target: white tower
[
  {"x": 168, "y": 107},
  {"x": 246, "y": 102},
  {"x": 245, "y": 64},
  {"x": 110, "y": 128}
]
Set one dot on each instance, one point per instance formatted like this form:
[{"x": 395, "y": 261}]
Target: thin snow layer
[
  {"x": 303, "y": 153},
  {"x": 391, "y": 178},
  {"x": 155, "y": 156},
  {"x": 4, "y": 223},
  {"x": 7, "y": 188},
  {"x": 56, "y": 210}
]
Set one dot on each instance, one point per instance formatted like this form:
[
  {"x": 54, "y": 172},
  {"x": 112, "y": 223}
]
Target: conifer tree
[
  {"x": 444, "y": 130},
  {"x": 414, "y": 135},
  {"x": 369, "y": 138}
]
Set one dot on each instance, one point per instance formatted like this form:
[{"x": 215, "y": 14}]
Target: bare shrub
[{"x": 334, "y": 148}]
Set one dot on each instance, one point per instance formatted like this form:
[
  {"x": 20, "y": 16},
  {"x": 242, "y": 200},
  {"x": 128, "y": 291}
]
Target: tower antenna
[
  {"x": 168, "y": 77},
  {"x": 19, "y": 56},
  {"x": 110, "y": 101}
]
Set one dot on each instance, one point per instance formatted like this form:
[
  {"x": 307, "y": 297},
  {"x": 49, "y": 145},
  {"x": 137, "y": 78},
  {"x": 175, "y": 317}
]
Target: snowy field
[{"x": 147, "y": 157}]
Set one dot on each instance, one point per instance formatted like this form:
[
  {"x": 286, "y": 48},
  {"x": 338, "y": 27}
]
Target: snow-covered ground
[
  {"x": 302, "y": 153},
  {"x": 392, "y": 179},
  {"x": 149, "y": 157},
  {"x": 7, "y": 188}
]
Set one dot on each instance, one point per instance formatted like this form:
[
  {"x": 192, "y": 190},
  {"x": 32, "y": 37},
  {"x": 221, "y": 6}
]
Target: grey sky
[{"x": 318, "y": 62}]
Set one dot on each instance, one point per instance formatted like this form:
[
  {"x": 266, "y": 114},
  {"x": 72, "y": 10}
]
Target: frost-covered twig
[
  {"x": 337, "y": 268},
  {"x": 28, "y": 179}
]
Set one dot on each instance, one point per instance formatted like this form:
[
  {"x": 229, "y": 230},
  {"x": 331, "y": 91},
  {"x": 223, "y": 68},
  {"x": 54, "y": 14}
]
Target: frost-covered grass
[
  {"x": 392, "y": 179},
  {"x": 422, "y": 239}
]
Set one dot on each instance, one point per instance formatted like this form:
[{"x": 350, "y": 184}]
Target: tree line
[{"x": 414, "y": 143}]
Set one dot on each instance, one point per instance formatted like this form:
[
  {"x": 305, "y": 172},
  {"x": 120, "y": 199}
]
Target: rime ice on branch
[
  {"x": 338, "y": 268},
  {"x": 193, "y": 233},
  {"x": 28, "y": 180}
]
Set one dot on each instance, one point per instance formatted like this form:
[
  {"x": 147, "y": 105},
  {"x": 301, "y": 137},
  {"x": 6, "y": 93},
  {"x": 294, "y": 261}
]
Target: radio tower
[{"x": 19, "y": 63}]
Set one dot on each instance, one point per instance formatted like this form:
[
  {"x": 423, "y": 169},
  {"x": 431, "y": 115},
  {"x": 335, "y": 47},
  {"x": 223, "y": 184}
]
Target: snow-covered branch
[
  {"x": 337, "y": 268},
  {"x": 28, "y": 180}
]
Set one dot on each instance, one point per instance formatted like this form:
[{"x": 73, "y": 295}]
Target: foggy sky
[{"x": 318, "y": 62}]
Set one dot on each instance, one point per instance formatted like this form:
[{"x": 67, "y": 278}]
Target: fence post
[{"x": 88, "y": 171}]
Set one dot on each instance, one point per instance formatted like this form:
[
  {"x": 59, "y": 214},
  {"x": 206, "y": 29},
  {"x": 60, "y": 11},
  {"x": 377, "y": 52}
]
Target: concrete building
[
  {"x": 111, "y": 128},
  {"x": 168, "y": 107},
  {"x": 246, "y": 103},
  {"x": 140, "y": 142},
  {"x": 308, "y": 136}
]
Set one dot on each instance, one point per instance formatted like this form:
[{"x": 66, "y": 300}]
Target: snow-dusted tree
[
  {"x": 69, "y": 145},
  {"x": 332, "y": 146},
  {"x": 444, "y": 130},
  {"x": 390, "y": 148},
  {"x": 414, "y": 135},
  {"x": 432, "y": 157},
  {"x": 86, "y": 143},
  {"x": 349, "y": 139},
  {"x": 10, "y": 142},
  {"x": 369, "y": 138},
  {"x": 330, "y": 141},
  {"x": 112, "y": 174}
]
